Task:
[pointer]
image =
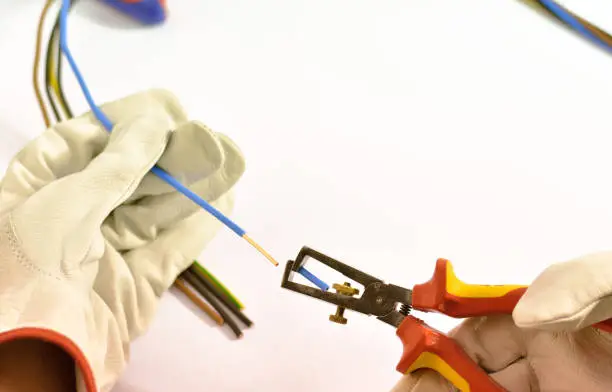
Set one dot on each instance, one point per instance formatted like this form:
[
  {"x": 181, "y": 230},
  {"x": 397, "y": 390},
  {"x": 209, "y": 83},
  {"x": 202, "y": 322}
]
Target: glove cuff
[
  {"x": 59, "y": 309},
  {"x": 86, "y": 381}
]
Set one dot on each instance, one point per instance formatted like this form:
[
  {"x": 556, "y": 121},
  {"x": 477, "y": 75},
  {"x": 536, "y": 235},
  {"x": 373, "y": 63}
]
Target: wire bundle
[
  {"x": 197, "y": 283},
  {"x": 53, "y": 71},
  {"x": 574, "y": 22},
  {"x": 227, "y": 308}
]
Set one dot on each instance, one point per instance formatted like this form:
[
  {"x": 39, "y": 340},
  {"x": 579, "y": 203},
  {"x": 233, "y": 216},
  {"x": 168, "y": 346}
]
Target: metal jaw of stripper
[{"x": 389, "y": 303}]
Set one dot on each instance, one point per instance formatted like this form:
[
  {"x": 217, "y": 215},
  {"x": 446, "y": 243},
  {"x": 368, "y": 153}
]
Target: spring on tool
[{"x": 405, "y": 309}]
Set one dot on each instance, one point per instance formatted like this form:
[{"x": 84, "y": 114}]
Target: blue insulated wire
[{"x": 108, "y": 125}]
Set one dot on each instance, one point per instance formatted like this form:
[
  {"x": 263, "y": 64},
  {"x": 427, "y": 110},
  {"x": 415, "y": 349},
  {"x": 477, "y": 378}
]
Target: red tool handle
[
  {"x": 425, "y": 347},
  {"x": 446, "y": 294}
]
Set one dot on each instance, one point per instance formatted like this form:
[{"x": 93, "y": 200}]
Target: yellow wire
[
  {"x": 53, "y": 77},
  {"x": 39, "y": 98}
]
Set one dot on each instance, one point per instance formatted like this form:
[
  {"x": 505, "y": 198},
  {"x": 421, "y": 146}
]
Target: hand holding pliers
[{"x": 424, "y": 346}]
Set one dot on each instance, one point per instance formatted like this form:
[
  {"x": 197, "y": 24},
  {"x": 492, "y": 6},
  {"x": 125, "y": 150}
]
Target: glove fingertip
[
  {"x": 170, "y": 102},
  {"x": 236, "y": 161},
  {"x": 534, "y": 311},
  {"x": 206, "y": 139},
  {"x": 563, "y": 314},
  {"x": 194, "y": 152},
  {"x": 566, "y": 295}
]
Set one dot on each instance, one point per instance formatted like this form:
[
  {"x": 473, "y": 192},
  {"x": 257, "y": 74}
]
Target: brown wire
[
  {"x": 601, "y": 34},
  {"x": 39, "y": 32},
  {"x": 182, "y": 286},
  {"x": 189, "y": 277}
]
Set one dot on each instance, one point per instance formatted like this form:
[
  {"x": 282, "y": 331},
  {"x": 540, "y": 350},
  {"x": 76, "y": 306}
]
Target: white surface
[{"x": 386, "y": 134}]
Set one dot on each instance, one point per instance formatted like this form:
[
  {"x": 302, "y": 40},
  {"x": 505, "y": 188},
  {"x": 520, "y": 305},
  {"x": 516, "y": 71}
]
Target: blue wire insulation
[
  {"x": 574, "y": 24},
  {"x": 108, "y": 125},
  {"x": 313, "y": 279}
]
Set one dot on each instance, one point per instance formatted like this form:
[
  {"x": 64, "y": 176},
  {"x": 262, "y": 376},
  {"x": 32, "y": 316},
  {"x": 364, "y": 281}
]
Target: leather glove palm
[
  {"x": 547, "y": 345},
  {"x": 89, "y": 240}
]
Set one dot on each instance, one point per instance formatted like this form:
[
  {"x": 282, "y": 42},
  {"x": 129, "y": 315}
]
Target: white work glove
[
  {"x": 547, "y": 345},
  {"x": 89, "y": 241}
]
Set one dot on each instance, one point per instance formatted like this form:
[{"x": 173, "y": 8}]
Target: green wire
[{"x": 219, "y": 285}]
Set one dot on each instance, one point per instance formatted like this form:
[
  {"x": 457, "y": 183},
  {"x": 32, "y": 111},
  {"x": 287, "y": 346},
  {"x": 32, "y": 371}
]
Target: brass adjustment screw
[{"x": 342, "y": 289}]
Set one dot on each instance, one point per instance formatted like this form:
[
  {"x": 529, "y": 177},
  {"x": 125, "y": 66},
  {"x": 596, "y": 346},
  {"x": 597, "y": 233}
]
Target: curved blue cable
[
  {"x": 574, "y": 23},
  {"x": 108, "y": 125}
]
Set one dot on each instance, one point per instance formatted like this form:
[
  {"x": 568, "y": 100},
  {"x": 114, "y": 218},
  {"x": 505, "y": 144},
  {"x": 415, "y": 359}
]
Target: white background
[{"x": 384, "y": 133}]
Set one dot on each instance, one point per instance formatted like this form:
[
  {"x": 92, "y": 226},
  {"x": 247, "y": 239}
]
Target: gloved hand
[
  {"x": 89, "y": 241},
  {"x": 544, "y": 346}
]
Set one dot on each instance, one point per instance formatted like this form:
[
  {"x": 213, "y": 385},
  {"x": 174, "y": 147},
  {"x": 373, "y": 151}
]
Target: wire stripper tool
[
  {"x": 424, "y": 346},
  {"x": 145, "y": 11}
]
